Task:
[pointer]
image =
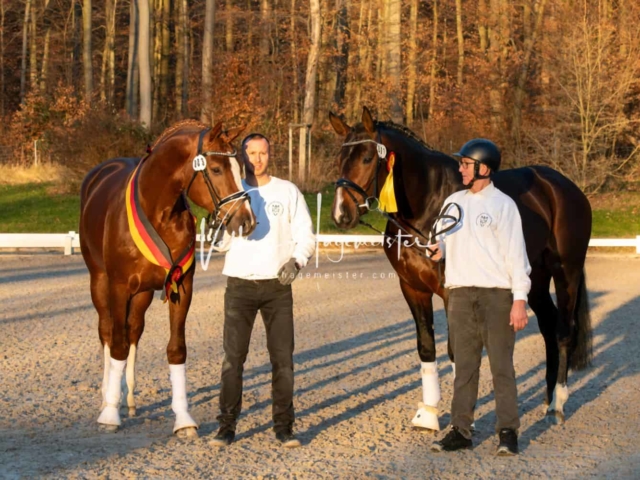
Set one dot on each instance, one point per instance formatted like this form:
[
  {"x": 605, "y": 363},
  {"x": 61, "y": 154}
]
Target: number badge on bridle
[{"x": 199, "y": 163}]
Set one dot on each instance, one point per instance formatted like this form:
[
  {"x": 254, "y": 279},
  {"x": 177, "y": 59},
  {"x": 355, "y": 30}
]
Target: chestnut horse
[
  {"x": 556, "y": 219},
  {"x": 137, "y": 235}
]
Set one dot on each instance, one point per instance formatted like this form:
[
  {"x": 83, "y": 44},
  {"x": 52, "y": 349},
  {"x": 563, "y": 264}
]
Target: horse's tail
[{"x": 582, "y": 350}]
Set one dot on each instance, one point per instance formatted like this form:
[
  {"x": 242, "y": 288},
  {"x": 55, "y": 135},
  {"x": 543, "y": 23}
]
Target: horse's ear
[
  {"x": 367, "y": 120},
  {"x": 234, "y": 132},
  {"x": 339, "y": 125},
  {"x": 215, "y": 131}
]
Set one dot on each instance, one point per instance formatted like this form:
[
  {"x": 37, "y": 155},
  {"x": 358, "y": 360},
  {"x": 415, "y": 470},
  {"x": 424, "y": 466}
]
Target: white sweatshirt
[
  {"x": 487, "y": 248},
  {"x": 284, "y": 230}
]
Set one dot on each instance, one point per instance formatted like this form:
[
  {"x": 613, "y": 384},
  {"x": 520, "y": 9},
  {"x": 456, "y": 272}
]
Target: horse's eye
[
  {"x": 216, "y": 170},
  {"x": 367, "y": 159}
]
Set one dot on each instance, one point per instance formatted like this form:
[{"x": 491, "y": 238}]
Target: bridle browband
[{"x": 200, "y": 165}]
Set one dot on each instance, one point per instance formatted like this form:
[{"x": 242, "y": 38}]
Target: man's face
[
  {"x": 257, "y": 156},
  {"x": 467, "y": 169}
]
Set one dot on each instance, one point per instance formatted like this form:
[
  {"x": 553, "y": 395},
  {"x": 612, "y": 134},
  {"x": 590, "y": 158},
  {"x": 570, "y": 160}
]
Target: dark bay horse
[
  {"x": 556, "y": 219},
  {"x": 137, "y": 235}
]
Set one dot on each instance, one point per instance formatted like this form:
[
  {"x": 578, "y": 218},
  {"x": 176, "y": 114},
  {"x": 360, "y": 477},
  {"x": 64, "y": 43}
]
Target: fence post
[
  {"x": 68, "y": 243},
  {"x": 638, "y": 244}
]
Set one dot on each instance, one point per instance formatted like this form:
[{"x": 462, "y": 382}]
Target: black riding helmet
[{"x": 482, "y": 151}]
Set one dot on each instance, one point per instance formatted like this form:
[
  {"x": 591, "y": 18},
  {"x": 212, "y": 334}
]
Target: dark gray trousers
[
  {"x": 480, "y": 317},
  {"x": 242, "y": 301}
]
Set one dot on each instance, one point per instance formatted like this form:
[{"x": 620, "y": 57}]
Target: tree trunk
[
  {"x": 131, "y": 101},
  {"x": 394, "y": 57},
  {"x": 342, "y": 52},
  {"x": 144, "y": 64},
  {"x": 383, "y": 15},
  {"x": 86, "y": 51},
  {"x": 165, "y": 54},
  {"x": 250, "y": 32},
  {"x": 33, "y": 50},
  {"x": 294, "y": 65},
  {"x": 434, "y": 59},
  {"x": 364, "y": 54},
  {"x": 460, "y": 43},
  {"x": 156, "y": 66},
  {"x": 483, "y": 31},
  {"x": 524, "y": 73},
  {"x": 182, "y": 58},
  {"x": 411, "y": 61},
  {"x": 1, "y": 59},
  {"x": 265, "y": 19},
  {"x": 207, "y": 63},
  {"x": 495, "y": 66},
  {"x": 25, "y": 37},
  {"x": 229, "y": 26},
  {"x": 107, "y": 51},
  {"x": 310, "y": 84},
  {"x": 44, "y": 69},
  {"x": 76, "y": 63}
]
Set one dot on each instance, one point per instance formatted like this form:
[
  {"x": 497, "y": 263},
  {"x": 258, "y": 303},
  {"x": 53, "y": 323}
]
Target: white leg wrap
[
  {"x": 130, "y": 384},
  {"x": 179, "y": 403},
  {"x": 453, "y": 368},
  {"x": 560, "y": 397},
  {"x": 427, "y": 414},
  {"x": 105, "y": 376},
  {"x": 110, "y": 414}
]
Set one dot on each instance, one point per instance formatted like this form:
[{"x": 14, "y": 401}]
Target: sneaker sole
[
  {"x": 505, "y": 452},
  {"x": 439, "y": 448},
  {"x": 219, "y": 443},
  {"x": 292, "y": 444}
]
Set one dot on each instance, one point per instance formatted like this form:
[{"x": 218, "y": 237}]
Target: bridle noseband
[{"x": 200, "y": 165}]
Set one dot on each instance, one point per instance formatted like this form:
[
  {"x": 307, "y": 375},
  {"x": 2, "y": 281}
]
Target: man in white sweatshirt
[
  {"x": 487, "y": 274},
  {"x": 260, "y": 269}
]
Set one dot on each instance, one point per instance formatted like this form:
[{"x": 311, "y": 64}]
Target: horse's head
[
  {"x": 359, "y": 162},
  {"x": 219, "y": 188}
]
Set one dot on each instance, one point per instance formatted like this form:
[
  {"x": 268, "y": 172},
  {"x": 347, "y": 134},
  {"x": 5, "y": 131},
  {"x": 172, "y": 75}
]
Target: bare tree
[
  {"x": 25, "y": 36},
  {"x": 86, "y": 50},
  {"x": 182, "y": 57},
  {"x": 460, "y": 42},
  {"x": 434, "y": 60},
  {"x": 33, "y": 51},
  {"x": 341, "y": 60},
  {"x": 131, "y": 101},
  {"x": 411, "y": 60},
  {"x": 229, "y": 25},
  {"x": 207, "y": 63},
  {"x": 44, "y": 69},
  {"x": 107, "y": 74},
  {"x": 310, "y": 84},
  {"x": 394, "y": 59},
  {"x": 144, "y": 63}
]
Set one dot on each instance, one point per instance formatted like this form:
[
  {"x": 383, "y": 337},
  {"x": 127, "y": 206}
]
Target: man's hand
[
  {"x": 288, "y": 272},
  {"x": 518, "y": 317},
  {"x": 436, "y": 256}
]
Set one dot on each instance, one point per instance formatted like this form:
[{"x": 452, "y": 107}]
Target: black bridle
[
  {"x": 200, "y": 165},
  {"x": 370, "y": 200}
]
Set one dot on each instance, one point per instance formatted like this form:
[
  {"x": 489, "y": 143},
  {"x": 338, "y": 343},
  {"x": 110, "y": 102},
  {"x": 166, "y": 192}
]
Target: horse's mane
[
  {"x": 174, "y": 128},
  {"x": 404, "y": 130}
]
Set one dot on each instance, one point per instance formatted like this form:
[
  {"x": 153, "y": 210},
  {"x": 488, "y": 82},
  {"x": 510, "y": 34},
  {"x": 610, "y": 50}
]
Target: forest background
[{"x": 554, "y": 82}]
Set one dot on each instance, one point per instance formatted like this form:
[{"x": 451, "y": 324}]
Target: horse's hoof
[
  {"x": 188, "y": 432},
  {"x": 108, "y": 428},
  {"x": 418, "y": 429},
  {"x": 426, "y": 418},
  {"x": 555, "y": 417}
]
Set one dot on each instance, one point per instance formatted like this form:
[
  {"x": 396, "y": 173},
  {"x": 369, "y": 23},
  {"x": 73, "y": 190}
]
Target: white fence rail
[{"x": 71, "y": 240}]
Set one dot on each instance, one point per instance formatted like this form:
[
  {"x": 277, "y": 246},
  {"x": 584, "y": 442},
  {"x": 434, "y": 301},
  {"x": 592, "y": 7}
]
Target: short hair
[{"x": 254, "y": 136}]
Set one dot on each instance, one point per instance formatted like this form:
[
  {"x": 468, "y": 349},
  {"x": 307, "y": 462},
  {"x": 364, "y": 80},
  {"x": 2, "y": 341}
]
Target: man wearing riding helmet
[{"x": 487, "y": 275}]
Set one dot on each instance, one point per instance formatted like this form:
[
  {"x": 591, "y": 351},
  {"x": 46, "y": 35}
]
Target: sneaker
[
  {"x": 224, "y": 437},
  {"x": 508, "y": 443},
  {"x": 454, "y": 440},
  {"x": 287, "y": 438}
]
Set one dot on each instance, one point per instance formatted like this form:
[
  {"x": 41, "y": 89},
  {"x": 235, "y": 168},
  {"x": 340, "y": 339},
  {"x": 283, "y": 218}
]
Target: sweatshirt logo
[
  {"x": 483, "y": 220},
  {"x": 275, "y": 208}
]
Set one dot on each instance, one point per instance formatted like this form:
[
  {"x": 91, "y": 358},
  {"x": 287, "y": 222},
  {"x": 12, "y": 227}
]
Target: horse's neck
[
  {"x": 433, "y": 177},
  {"x": 159, "y": 189}
]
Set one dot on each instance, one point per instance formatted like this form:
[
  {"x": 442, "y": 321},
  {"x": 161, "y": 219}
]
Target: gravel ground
[{"x": 357, "y": 384}]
